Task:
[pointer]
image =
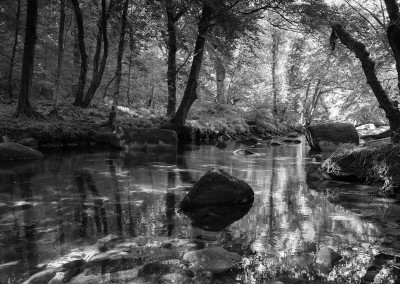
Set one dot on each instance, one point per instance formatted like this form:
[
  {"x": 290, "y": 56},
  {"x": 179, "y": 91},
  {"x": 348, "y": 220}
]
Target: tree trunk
[
  {"x": 82, "y": 51},
  {"x": 118, "y": 73},
  {"x": 393, "y": 34},
  {"x": 128, "y": 89},
  {"x": 171, "y": 72},
  {"x": 60, "y": 58},
  {"x": 190, "y": 95},
  {"x": 14, "y": 50},
  {"x": 275, "y": 52},
  {"x": 24, "y": 106},
  {"x": 390, "y": 108},
  {"x": 220, "y": 74},
  {"x": 98, "y": 73}
]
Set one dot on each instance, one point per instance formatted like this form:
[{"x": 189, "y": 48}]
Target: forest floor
[{"x": 77, "y": 124}]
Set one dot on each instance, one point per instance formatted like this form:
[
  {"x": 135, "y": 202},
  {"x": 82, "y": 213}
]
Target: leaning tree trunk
[
  {"x": 82, "y": 51},
  {"x": 98, "y": 73},
  {"x": 118, "y": 73},
  {"x": 389, "y": 107},
  {"x": 393, "y": 34},
  {"x": 60, "y": 59},
  {"x": 14, "y": 49},
  {"x": 190, "y": 95},
  {"x": 24, "y": 106}
]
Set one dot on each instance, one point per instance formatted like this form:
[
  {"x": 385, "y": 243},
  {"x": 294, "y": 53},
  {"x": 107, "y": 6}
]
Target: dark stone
[
  {"x": 329, "y": 136},
  {"x": 216, "y": 218},
  {"x": 243, "y": 152},
  {"x": 15, "y": 151},
  {"x": 221, "y": 145},
  {"x": 217, "y": 187},
  {"x": 275, "y": 143},
  {"x": 249, "y": 141}
]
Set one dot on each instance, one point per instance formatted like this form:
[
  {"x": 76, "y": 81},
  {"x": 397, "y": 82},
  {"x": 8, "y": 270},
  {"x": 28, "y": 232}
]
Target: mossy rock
[
  {"x": 367, "y": 164},
  {"x": 15, "y": 151},
  {"x": 329, "y": 136}
]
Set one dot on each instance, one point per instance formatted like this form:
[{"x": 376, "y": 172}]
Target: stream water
[{"x": 71, "y": 199}]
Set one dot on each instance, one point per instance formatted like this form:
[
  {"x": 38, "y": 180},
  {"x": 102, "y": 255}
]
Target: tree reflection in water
[{"x": 65, "y": 202}]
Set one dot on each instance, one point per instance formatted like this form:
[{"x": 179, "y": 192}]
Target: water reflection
[{"x": 69, "y": 200}]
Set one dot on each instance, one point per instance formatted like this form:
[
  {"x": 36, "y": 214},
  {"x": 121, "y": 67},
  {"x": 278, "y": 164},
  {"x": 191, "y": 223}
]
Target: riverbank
[{"x": 85, "y": 127}]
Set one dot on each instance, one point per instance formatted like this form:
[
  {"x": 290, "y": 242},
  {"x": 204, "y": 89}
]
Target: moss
[{"x": 367, "y": 164}]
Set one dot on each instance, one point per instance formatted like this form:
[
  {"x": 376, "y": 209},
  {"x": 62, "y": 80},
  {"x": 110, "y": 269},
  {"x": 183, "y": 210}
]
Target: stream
[{"x": 71, "y": 199}]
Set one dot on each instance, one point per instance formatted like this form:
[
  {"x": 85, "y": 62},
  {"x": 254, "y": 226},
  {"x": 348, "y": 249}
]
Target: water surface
[{"x": 71, "y": 199}]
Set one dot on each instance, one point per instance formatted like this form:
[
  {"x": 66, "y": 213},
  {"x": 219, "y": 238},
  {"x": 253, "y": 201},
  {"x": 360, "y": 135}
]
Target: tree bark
[
  {"x": 118, "y": 73},
  {"x": 275, "y": 52},
  {"x": 14, "y": 49},
  {"x": 220, "y": 73},
  {"x": 190, "y": 95},
  {"x": 98, "y": 73},
  {"x": 171, "y": 72},
  {"x": 393, "y": 34},
  {"x": 82, "y": 51},
  {"x": 60, "y": 58},
  {"x": 389, "y": 107},
  {"x": 24, "y": 106}
]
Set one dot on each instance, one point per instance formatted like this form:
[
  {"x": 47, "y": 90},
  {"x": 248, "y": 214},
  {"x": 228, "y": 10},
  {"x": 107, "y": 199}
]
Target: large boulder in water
[
  {"x": 15, "y": 151},
  {"x": 217, "y": 187},
  {"x": 329, "y": 136}
]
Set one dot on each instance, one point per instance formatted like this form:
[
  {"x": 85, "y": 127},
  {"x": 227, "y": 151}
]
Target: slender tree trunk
[
  {"x": 14, "y": 50},
  {"x": 220, "y": 73},
  {"x": 190, "y": 95},
  {"x": 98, "y": 73},
  {"x": 171, "y": 72},
  {"x": 128, "y": 89},
  {"x": 24, "y": 106},
  {"x": 118, "y": 73},
  {"x": 83, "y": 55},
  {"x": 393, "y": 34},
  {"x": 60, "y": 58},
  {"x": 390, "y": 108},
  {"x": 275, "y": 53}
]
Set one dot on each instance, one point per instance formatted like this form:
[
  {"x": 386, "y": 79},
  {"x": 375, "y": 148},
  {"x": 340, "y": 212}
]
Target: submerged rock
[
  {"x": 275, "y": 143},
  {"x": 41, "y": 277},
  {"x": 15, "y": 151},
  {"x": 221, "y": 145},
  {"x": 215, "y": 259},
  {"x": 217, "y": 187},
  {"x": 326, "y": 259},
  {"x": 169, "y": 270},
  {"x": 243, "y": 152},
  {"x": 329, "y": 136}
]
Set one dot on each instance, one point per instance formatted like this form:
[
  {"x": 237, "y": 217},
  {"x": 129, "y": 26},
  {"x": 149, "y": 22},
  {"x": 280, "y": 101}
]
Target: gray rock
[
  {"x": 217, "y": 187},
  {"x": 15, "y": 151},
  {"x": 326, "y": 258},
  {"x": 29, "y": 142},
  {"x": 41, "y": 277},
  {"x": 215, "y": 259}
]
